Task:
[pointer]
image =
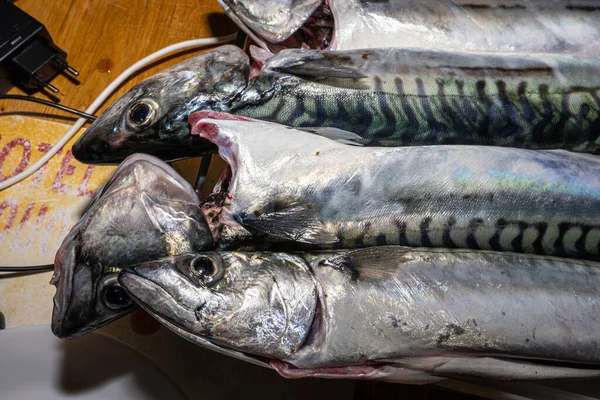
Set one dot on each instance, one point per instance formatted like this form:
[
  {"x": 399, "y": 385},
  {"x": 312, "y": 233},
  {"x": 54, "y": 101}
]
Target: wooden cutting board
[{"x": 36, "y": 214}]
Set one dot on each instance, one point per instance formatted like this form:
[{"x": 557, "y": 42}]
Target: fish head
[
  {"x": 274, "y": 20},
  {"x": 152, "y": 116},
  {"x": 257, "y": 303},
  {"x": 144, "y": 212}
]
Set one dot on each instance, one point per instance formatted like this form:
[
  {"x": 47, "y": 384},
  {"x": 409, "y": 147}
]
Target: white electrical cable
[{"x": 107, "y": 92}]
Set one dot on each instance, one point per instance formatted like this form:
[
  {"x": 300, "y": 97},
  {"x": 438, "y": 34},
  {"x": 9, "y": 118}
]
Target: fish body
[
  {"x": 391, "y": 313},
  {"x": 525, "y": 26},
  {"x": 400, "y": 97},
  {"x": 309, "y": 189},
  {"x": 145, "y": 211},
  {"x": 386, "y": 97}
]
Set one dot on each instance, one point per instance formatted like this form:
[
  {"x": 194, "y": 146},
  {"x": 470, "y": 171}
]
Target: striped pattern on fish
[
  {"x": 528, "y": 102},
  {"x": 563, "y": 239},
  {"x": 327, "y": 195},
  {"x": 386, "y": 97}
]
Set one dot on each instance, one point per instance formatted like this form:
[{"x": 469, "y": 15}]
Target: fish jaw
[
  {"x": 200, "y": 341},
  {"x": 75, "y": 314},
  {"x": 62, "y": 279},
  {"x": 152, "y": 116},
  {"x": 203, "y": 125},
  {"x": 273, "y": 21},
  {"x": 93, "y": 149},
  {"x": 266, "y": 310}
]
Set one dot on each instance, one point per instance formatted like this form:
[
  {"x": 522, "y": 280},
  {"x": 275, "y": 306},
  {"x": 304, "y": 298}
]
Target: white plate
[{"x": 36, "y": 365}]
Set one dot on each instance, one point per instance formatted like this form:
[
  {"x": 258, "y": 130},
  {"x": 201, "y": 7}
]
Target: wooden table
[{"x": 104, "y": 37}]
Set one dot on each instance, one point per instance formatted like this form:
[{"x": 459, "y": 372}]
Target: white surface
[{"x": 36, "y": 365}]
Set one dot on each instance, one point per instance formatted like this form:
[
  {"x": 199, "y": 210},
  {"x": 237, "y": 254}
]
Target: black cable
[
  {"x": 47, "y": 103},
  {"x": 202, "y": 172},
  {"x": 34, "y": 268}
]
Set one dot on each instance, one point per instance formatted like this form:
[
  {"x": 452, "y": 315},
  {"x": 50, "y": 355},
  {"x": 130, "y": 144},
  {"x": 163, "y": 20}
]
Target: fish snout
[
  {"x": 160, "y": 288},
  {"x": 151, "y": 282},
  {"x": 90, "y": 149}
]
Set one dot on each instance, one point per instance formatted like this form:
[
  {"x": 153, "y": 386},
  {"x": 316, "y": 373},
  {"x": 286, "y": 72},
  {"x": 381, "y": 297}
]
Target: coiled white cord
[{"x": 107, "y": 92}]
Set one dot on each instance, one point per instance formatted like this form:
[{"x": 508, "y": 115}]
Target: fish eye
[
  {"x": 142, "y": 114},
  {"x": 207, "y": 269},
  {"x": 113, "y": 296}
]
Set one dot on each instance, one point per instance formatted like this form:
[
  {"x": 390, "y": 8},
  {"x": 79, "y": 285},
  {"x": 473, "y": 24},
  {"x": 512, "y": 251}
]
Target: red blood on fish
[
  {"x": 289, "y": 371},
  {"x": 197, "y": 116}
]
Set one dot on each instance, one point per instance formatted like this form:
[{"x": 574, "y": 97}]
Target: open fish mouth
[
  {"x": 317, "y": 32},
  {"x": 62, "y": 279},
  {"x": 215, "y": 207},
  {"x": 310, "y": 26}
]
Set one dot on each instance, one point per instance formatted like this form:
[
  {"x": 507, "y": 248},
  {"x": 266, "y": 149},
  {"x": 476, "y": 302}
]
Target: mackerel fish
[
  {"x": 385, "y": 313},
  {"x": 388, "y": 97},
  {"x": 555, "y": 26},
  {"x": 304, "y": 188},
  {"x": 144, "y": 212}
]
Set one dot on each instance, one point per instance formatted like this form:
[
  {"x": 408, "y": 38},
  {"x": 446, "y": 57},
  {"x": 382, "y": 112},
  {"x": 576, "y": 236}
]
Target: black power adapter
[{"x": 28, "y": 56}]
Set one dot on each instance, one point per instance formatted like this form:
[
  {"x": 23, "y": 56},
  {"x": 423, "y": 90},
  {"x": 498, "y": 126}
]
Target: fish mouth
[
  {"x": 62, "y": 279},
  {"x": 92, "y": 148},
  {"x": 216, "y": 206},
  {"x": 211, "y": 80},
  {"x": 142, "y": 283},
  {"x": 317, "y": 31},
  {"x": 312, "y": 27},
  {"x": 68, "y": 322}
]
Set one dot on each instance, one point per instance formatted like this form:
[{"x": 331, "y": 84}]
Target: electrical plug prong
[
  {"x": 63, "y": 64},
  {"x": 45, "y": 84},
  {"x": 71, "y": 70}
]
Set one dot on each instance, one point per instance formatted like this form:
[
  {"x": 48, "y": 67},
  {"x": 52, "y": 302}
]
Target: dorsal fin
[{"x": 318, "y": 65}]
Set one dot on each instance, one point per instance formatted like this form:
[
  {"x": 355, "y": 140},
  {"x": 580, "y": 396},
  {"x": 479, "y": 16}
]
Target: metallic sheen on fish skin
[
  {"x": 274, "y": 20},
  {"x": 388, "y": 97},
  {"x": 309, "y": 189},
  {"x": 563, "y": 26},
  {"x": 152, "y": 116},
  {"x": 233, "y": 298},
  {"x": 392, "y": 313},
  {"x": 398, "y": 97},
  {"x": 145, "y": 211}
]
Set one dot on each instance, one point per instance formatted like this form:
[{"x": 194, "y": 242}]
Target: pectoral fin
[
  {"x": 372, "y": 263},
  {"x": 298, "y": 223},
  {"x": 339, "y": 135}
]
